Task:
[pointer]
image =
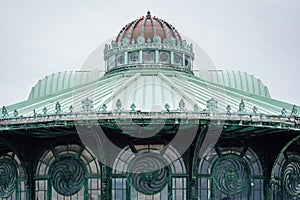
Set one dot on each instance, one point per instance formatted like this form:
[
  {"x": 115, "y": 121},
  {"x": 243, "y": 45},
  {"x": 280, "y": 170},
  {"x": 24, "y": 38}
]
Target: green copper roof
[
  {"x": 235, "y": 79},
  {"x": 60, "y": 81},
  {"x": 148, "y": 90}
]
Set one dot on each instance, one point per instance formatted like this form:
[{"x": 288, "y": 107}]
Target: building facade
[{"x": 150, "y": 127}]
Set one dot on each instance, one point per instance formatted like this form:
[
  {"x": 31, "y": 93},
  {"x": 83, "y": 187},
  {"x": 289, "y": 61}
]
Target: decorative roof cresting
[{"x": 148, "y": 42}]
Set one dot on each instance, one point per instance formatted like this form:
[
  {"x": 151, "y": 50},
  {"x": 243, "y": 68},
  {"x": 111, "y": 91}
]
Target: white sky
[{"x": 261, "y": 37}]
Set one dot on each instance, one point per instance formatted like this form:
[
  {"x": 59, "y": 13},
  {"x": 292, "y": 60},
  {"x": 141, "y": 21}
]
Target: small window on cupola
[
  {"x": 164, "y": 57},
  {"x": 188, "y": 62},
  {"x": 148, "y": 56},
  {"x": 133, "y": 57},
  {"x": 111, "y": 62},
  {"x": 178, "y": 59},
  {"x": 120, "y": 60}
]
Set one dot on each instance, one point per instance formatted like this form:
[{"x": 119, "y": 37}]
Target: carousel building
[{"x": 150, "y": 126}]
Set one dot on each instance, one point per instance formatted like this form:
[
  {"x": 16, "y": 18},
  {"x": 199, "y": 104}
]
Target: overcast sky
[{"x": 261, "y": 37}]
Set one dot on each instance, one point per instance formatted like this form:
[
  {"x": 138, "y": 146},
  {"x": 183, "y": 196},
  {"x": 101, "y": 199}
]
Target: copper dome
[{"x": 148, "y": 27}]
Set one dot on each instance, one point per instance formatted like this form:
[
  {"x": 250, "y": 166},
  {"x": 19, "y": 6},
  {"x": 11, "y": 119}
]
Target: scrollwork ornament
[
  {"x": 291, "y": 178},
  {"x": 231, "y": 175},
  {"x": 67, "y": 175},
  {"x": 8, "y": 174},
  {"x": 148, "y": 173}
]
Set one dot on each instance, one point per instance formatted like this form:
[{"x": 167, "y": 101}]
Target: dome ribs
[
  {"x": 164, "y": 28},
  {"x": 130, "y": 29},
  {"x": 143, "y": 27},
  {"x": 148, "y": 27},
  {"x": 134, "y": 30},
  {"x": 148, "y": 30},
  {"x": 123, "y": 31},
  {"x": 153, "y": 28}
]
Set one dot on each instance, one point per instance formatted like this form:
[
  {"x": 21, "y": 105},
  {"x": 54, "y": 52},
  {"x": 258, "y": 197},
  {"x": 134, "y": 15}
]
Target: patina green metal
[
  {"x": 67, "y": 175},
  {"x": 245, "y": 147},
  {"x": 148, "y": 174},
  {"x": 8, "y": 177},
  {"x": 231, "y": 175},
  {"x": 235, "y": 79},
  {"x": 285, "y": 175}
]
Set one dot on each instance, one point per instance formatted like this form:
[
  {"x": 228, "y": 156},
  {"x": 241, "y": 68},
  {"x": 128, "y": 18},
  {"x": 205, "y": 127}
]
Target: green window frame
[
  {"x": 87, "y": 165},
  {"x": 230, "y": 173}
]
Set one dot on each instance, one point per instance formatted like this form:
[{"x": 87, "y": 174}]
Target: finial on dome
[{"x": 148, "y": 14}]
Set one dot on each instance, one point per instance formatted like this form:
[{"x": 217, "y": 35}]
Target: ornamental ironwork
[
  {"x": 291, "y": 178},
  {"x": 181, "y": 105},
  {"x": 8, "y": 174},
  {"x": 16, "y": 113},
  {"x": 118, "y": 105},
  {"x": 133, "y": 106},
  {"x": 242, "y": 106},
  {"x": 104, "y": 107},
  {"x": 231, "y": 174},
  {"x": 167, "y": 107},
  {"x": 45, "y": 110},
  {"x": 4, "y": 112},
  {"x": 283, "y": 112},
  {"x": 255, "y": 110},
  {"x": 67, "y": 175},
  {"x": 212, "y": 105},
  {"x": 87, "y": 105},
  {"x": 57, "y": 108},
  {"x": 148, "y": 173},
  {"x": 294, "y": 111},
  {"x": 228, "y": 109}
]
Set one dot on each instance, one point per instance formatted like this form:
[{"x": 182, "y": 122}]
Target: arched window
[
  {"x": 111, "y": 62},
  {"x": 286, "y": 173},
  {"x": 68, "y": 172},
  {"x": 230, "y": 173},
  {"x": 133, "y": 57},
  {"x": 120, "y": 59},
  {"x": 164, "y": 57},
  {"x": 145, "y": 172},
  {"x": 148, "y": 56},
  {"x": 178, "y": 59},
  {"x": 12, "y": 176}
]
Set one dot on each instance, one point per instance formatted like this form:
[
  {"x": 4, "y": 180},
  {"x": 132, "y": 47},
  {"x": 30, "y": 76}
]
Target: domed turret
[
  {"x": 148, "y": 43},
  {"x": 148, "y": 27}
]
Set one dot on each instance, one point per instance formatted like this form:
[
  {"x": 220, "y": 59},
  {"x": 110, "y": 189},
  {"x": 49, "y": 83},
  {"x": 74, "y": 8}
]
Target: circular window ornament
[
  {"x": 8, "y": 173},
  {"x": 291, "y": 178},
  {"x": 178, "y": 58},
  {"x": 231, "y": 174},
  {"x": 133, "y": 57},
  {"x": 120, "y": 59},
  {"x": 67, "y": 175},
  {"x": 148, "y": 56},
  {"x": 148, "y": 173},
  {"x": 164, "y": 57}
]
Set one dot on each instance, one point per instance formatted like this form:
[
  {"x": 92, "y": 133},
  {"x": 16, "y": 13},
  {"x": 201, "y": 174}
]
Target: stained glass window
[
  {"x": 12, "y": 177},
  {"x": 230, "y": 173},
  {"x": 164, "y": 57},
  {"x": 68, "y": 172},
  {"x": 146, "y": 174},
  {"x": 178, "y": 59},
  {"x": 148, "y": 56},
  {"x": 286, "y": 177},
  {"x": 133, "y": 57},
  {"x": 120, "y": 60}
]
